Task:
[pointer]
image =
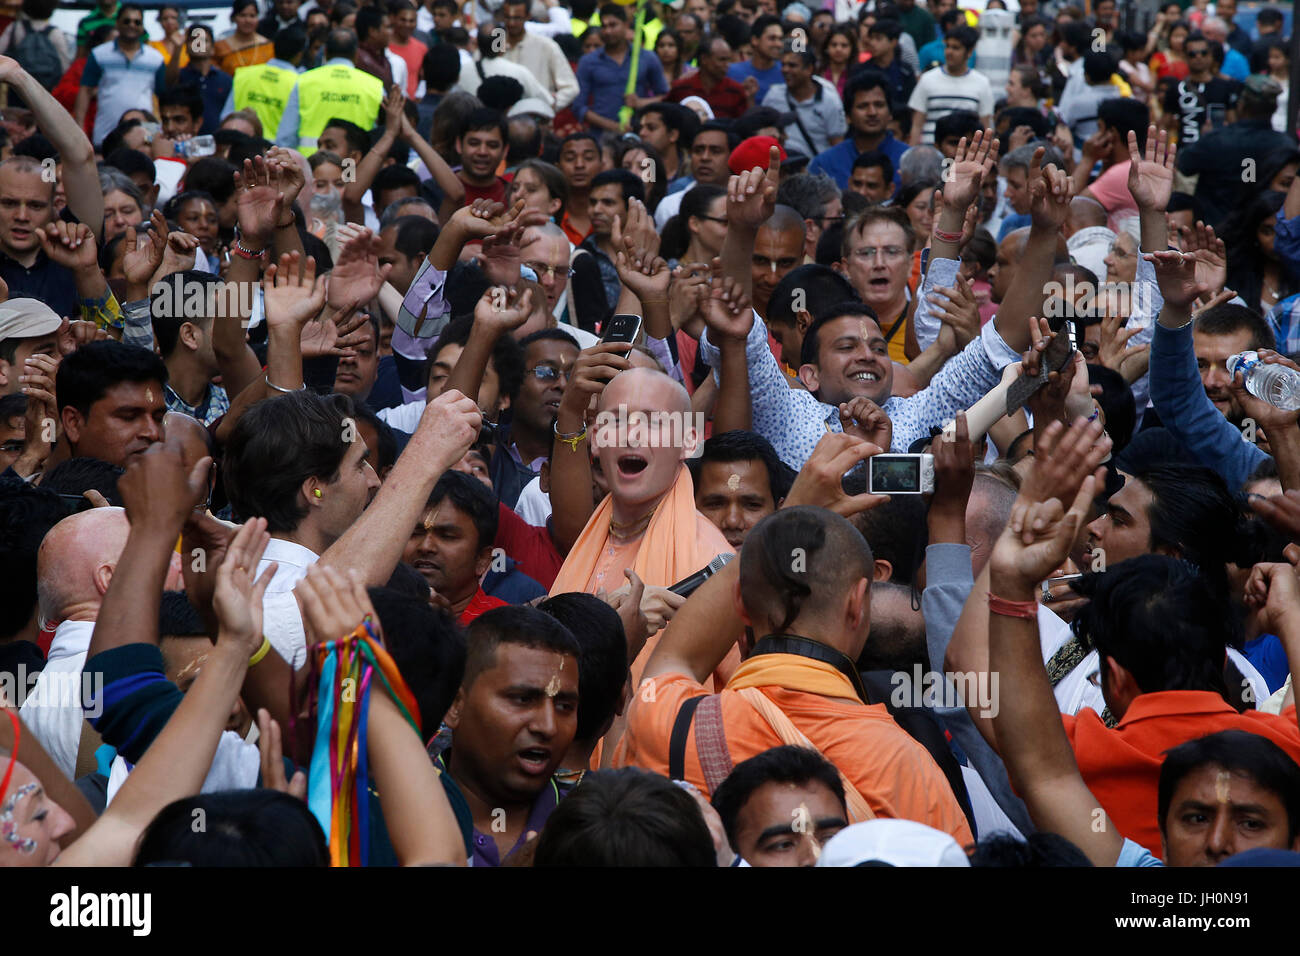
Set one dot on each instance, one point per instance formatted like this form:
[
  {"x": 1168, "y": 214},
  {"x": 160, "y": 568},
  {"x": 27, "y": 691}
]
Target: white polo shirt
[{"x": 124, "y": 84}]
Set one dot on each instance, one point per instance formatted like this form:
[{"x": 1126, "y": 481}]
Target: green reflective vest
[
  {"x": 265, "y": 90},
  {"x": 336, "y": 92}
]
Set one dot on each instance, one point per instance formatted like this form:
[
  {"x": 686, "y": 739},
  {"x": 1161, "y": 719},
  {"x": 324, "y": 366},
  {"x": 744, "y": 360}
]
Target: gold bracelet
[
  {"x": 261, "y": 652},
  {"x": 570, "y": 439}
]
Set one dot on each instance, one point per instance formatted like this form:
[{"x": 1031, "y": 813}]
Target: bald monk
[
  {"x": 648, "y": 522},
  {"x": 74, "y": 566}
]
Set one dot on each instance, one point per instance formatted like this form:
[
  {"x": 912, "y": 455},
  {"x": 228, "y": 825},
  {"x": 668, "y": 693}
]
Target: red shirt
[
  {"x": 728, "y": 99},
  {"x": 480, "y": 603},
  {"x": 412, "y": 53},
  {"x": 532, "y": 547},
  {"x": 496, "y": 192},
  {"x": 1122, "y": 765}
]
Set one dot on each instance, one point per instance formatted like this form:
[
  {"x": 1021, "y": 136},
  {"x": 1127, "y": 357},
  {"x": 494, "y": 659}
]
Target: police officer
[{"x": 337, "y": 89}]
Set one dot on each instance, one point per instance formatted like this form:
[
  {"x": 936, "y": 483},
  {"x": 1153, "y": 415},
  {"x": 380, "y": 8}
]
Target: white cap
[
  {"x": 27, "y": 318},
  {"x": 884, "y": 842},
  {"x": 531, "y": 105},
  {"x": 1089, "y": 248}
]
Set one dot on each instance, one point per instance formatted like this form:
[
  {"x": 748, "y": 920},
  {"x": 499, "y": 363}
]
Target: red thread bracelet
[
  {"x": 947, "y": 236},
  {"x": 1028, "y": 610}
]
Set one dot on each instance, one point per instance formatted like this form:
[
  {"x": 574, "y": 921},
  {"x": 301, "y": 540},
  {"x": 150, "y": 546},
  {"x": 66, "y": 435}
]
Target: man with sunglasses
[
  {"x": 1204, "y": 100},
  {"x": 120, "y": 74}
]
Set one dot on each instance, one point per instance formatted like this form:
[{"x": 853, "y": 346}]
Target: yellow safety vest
[
  {"x": 265, "y": 90},
  {"x": 336, "y": 92}
]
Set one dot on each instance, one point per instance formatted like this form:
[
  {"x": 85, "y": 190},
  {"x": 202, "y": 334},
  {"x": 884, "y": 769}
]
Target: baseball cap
[
  {"x": 531, "y": 105},
  {"x": 27, "y": 318},
  {"x": 753, "y": 152},
  {"x": 884, "y": 842},
  {"x": 1262, "y": 86}
]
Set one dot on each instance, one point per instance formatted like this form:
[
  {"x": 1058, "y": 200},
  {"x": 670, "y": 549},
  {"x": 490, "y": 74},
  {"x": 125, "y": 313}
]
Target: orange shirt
[
  {"x": 1122, "y": 765},
  {"x": 895, "y": 775}
]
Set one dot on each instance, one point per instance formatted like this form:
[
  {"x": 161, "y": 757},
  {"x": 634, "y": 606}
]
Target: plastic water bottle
[
  {"x": 196, "y": 146},
  {"x": 1278, "y": 385}
]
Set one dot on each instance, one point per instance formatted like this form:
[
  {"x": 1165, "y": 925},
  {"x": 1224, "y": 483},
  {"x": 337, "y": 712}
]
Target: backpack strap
[
  {"x": 711, "y": 743},
  {"x": 677, "y": 742}
]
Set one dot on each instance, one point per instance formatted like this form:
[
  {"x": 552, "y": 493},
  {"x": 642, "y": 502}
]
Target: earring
[{"x": 317, "y": 493}]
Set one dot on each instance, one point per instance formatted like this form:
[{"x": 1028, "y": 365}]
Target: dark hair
[
  {"x": 895, "y": 531},
  {"x": 386, "y": 453},
  {"x": 796, "y": 766},
  {"x": 760, "y": 24},
  {"x": 676, "y": 232},
  {"x": 628, "y": 181},
  {"x": 675, "y": 117},
  {"x": 415, "y": 236},
  {"x": 37, "y": 147},
  {"x": 737, "y": 445},
  {"x": 185, "y": 96},
  {"x": 1246, "y": 259},
  {"x": 525, "y": 137},
  {"x": 499, "y": 93},
  {"x": 277, "y": 445},
  {"x": 441, "y": 66},
  {"x": 76, "y": 476},
  {"x": 368, "y": 18},
  {"x": 602, "y": 658},
  {"x": 836, "y": 555},
  {"x": 966, "y": 36},
  {"x": 1228, "y": 319},
  {"x": 1035, "y": 850},
  {"x": 958, "y": 123},
  {"x": 470, "y": 496},
  {"x": 174, "y": 290},
  {"x": 1267, "y": 764},
  {"x": 290, "y": 41},
  {"x": 861, "y": 82},
  {"x": 1075, "y": 33},
  {"x": 889, "y": 28},
  {"x": 395, "y": 177},
  {"x": 1126, "y": 115},
  {"x": 1155, "y": 616},
  {"x": 483, "y": 118},
  {"x": 428, "y": 648},
  {"x": 27, "y": 513},
  {"x": 1116, "y": 401},
  {"x": 1098, "y": 67},
  {"x": 242, "y": 828},
  {"x": 548, "y": 335},
  {"x": 85, "y": 376},
  {"x": 131, "y": 161},
  {"x": 809, "y": 353},
  {"x": 358, "y": 139},
  {"x": 212, "y": 175},
  {"x": 874, "y": 158},
  {"x": 177, "y": 617},
  {"x": 627, "y": 817},
  {"x": 515, "y": 624},
  {"x": 340, "y": 42},
  {"x": 1032, "y": 80},
  {"x": 613, "y": 10}
]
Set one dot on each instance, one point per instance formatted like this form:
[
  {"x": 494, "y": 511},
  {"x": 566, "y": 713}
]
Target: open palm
[
  {"x": 1151, "y": 176},
  {"x": 970, "y": 165}
]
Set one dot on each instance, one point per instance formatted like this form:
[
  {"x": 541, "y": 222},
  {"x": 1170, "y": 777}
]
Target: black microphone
[{"x": 687, "y": 586}]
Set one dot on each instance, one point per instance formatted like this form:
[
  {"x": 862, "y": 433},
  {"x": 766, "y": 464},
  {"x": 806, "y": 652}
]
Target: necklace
[{"x": 631, "y": 529}]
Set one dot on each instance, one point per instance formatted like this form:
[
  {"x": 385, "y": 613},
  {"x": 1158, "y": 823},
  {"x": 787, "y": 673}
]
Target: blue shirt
[
  {"x": 743, "y": 70},
  {"x": 1185, "y": 409},
  {"x": 1235, "y": 65},
  {"x": 1013, "y": 222},
  {"x": 602, "y": 82},
  {"x": 837, "y": 162}
]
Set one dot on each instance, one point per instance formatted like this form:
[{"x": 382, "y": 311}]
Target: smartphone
[
  {"x": 900, "y": 474},
  {"x": 621, "y": 328},
  {"x": 76, "y": 503}
]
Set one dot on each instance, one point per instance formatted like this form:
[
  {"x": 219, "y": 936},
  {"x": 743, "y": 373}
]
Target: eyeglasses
[
  {"x": 548, "y": 373},
  {"x": 889, "y": 253},
  {"x": 543, "y": 270}
]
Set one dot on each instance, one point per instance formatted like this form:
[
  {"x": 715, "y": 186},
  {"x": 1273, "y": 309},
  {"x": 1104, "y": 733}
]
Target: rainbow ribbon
[{"x": 338, "y": 788}]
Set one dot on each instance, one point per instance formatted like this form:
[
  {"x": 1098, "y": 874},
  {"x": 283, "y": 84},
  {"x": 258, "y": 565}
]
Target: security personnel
[
  {"x": 265, "y": 88},
  {"x": 337, "y": 89}
]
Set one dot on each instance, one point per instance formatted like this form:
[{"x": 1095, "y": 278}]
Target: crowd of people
[{"x": 682, "y": 434}]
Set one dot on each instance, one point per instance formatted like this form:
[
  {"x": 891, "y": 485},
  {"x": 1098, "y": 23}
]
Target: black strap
[
  {"x": 677, "y": 742},
  {"x": 814, "y": 650},
  {"x": 794, "y": 108},
  {"x": 893, "y": 329}
]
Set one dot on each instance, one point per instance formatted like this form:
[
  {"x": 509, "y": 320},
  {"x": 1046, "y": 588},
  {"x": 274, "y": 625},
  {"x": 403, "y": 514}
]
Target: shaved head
[
  {"x": 644, "y": 431},
  {"x": 785, "y": 219},
  {"x": 76, "y": 560}
]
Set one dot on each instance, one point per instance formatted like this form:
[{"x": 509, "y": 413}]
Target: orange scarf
[{"x": 791, "y": 672}]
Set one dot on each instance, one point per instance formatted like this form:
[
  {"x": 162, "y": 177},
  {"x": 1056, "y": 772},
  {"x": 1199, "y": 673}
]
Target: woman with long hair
[
  {"x": 1032, "y": 48},
  {"x": 1272, "y": 58},
  {"x": 839, "y": 54},
  {"x": 173, "y": 36},
  {"x": 542, "y": 187},
  {"x": 695, "y": 234},
  {"x": 1254, "y": 269},
  {"x": 641, "y": 158},
  {"x": 668, "y": 47},
  {"x": 244, "y": 46},
  {"x": 1173, "y": 61}
]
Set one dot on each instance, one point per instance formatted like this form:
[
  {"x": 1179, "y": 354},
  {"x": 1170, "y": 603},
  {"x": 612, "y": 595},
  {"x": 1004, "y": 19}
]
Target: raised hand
[
  {"x": 501, "y": 256},
  {"x": 447, "y": 429},
  {"x": 503, "y": 310},
  {"x": 1177, "y": 276},
  {"x": 1272, "y": 419},
  {"x": 259, "y": 202},
  {"x": 638, "y": 235},
  {"x": 1050, "y": 192},
  {"x": 726, "y": 309},
  {"x": 1115, "y": 353},
  {"x": 333, "y": 603},
  {"x": 40, "y": 421},
  {"x": 863, "y": 419},
  {"x": 69, "y": 244},
  {"x": 357, "y": 276},
  {"x": 594, "y": 369},
  {"x": 1281, "y": 511},
  {"x": 288, "y": 173},
  {"x": 178, "y": 256},
  {"x": 292, "y": 293},
  {"x": 394, "y": 110},
  {"x": 954, "y": 472},
  {"x": 159, "y": 492},
  {"x": 957, "y": 309},
  {"x": 820, "y": 481},
  {"x": 237, "y": 598},
  {"x": 1210, "y": 253},
  {"x": 1063, "y": 457},
  {"x": 751, "y": 196},
  {"x": 1274, "y": 595},
  {"x": 1052, "y": 401},
  {"x": 690, "y": 282},
  {"x": 1039, "y": 535},
  {"x": 969, "y": 167},
  {"x": 483, "y": 218},
  {"x": 270, "y": 744},
  {"x": 1151, "y": 176},
  {"x": 144, "y": 254}
]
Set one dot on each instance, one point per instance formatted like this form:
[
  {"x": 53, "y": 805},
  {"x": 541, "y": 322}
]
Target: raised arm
[
  {"x": 751, "y": 200},
  {"x": 453, "y": 189},
  {"x": 66, "y": 133},
  {"x": 727, "y": 312},
  {"x": 499, "y": 312},
  {"x": 370, "y": 164}
]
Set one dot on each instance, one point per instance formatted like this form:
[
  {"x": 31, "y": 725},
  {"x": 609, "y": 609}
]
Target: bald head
[
  {"x": 189, "y": 433},
  {"x": 987, "y": 513},
  {"x": 897, "y": 638},
  {"x": 644, "y": 431},
  {"x": 643, "y": 385},
  {"x": 1086, "y": 212},
  {"x": 75, "y": 563},
  {"x": 785, "y": 219}
]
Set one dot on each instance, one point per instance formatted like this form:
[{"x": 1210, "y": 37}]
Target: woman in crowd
[
  {"x": 668, "y": 47},
  {"x": 839, "y": 54},
  {"x": 1254, "y": 270},
  {"x": 245, "y": 46}
]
